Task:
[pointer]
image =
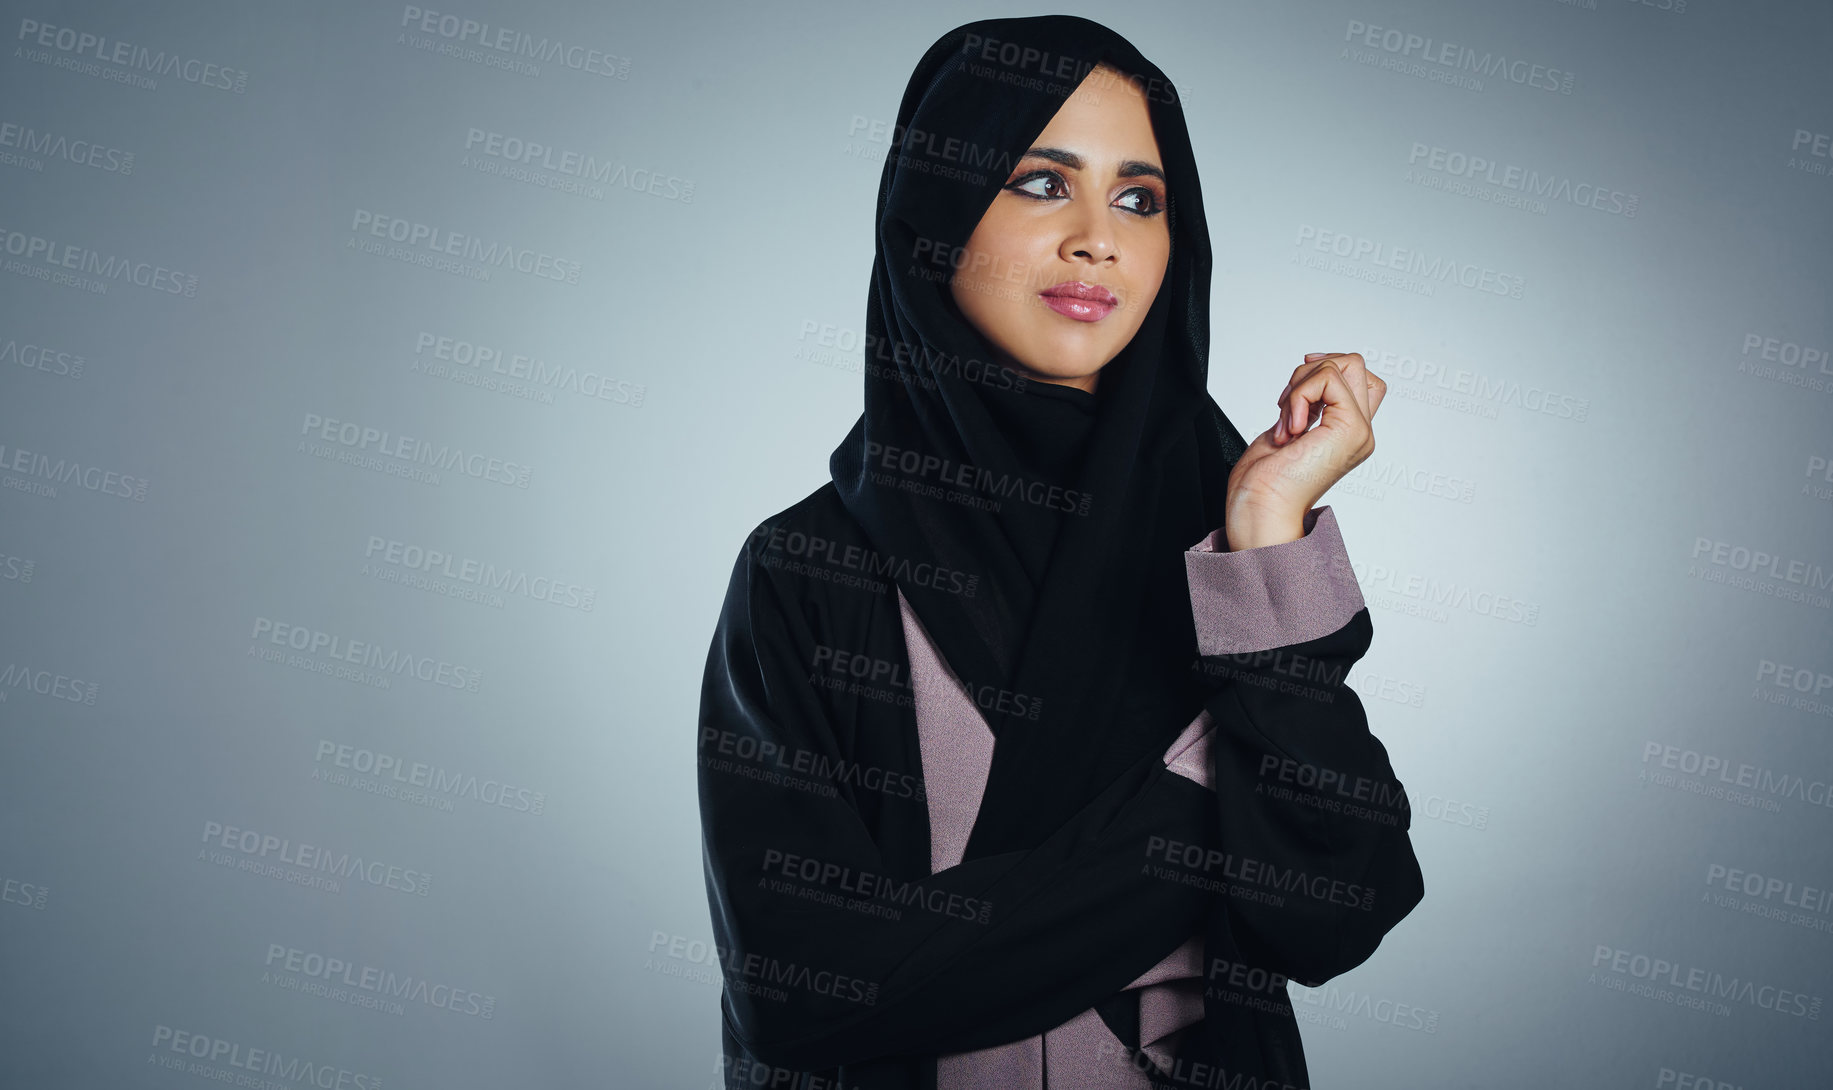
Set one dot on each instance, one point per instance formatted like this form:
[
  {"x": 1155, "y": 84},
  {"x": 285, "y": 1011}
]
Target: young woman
[{"x": 1025, "y": 758}]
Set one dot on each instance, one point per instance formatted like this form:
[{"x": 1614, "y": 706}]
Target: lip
[{"x": 1080, "y": 300}]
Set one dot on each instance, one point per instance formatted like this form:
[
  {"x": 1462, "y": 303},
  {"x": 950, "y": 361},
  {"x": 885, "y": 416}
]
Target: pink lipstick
[{"x": 1082, "y": 301}]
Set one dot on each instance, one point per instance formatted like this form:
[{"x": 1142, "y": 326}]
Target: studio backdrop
[{"x": 386, "y": 390}]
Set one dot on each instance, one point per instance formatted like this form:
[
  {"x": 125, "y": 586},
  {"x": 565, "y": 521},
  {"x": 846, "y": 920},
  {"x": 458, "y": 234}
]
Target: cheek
[
  {"x": 1149, "y": 289},
  {"x": 1005, "y": 248},
  {"x": 993, "y": 278}
]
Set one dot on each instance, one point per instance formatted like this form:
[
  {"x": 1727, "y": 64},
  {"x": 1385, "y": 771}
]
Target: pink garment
[{"x": 1251, "y": 600}]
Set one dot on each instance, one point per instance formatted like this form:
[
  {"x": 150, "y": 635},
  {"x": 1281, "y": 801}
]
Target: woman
[{"x": 1024, "y": 754}]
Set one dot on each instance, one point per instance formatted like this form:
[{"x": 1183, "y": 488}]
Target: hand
[{"x": 1288, "y": 467}]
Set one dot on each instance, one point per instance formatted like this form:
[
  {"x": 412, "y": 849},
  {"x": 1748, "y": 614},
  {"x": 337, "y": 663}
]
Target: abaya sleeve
[
  {"x": 1314, "y": 820},
  {"x": 814, "y": 982}
]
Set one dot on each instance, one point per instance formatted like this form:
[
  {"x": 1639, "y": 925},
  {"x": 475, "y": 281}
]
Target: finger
[
  {"x": 1298, "y": 373},
  {"x": 1288, "y": 420},
  {"x": 1355, "y": 376},
  {"x": 1369, "y": 387},
  {"x": 1306, "y": 394},
  {"x": 1310, "y": 365},
  {"x": 1326, "y": 390}
]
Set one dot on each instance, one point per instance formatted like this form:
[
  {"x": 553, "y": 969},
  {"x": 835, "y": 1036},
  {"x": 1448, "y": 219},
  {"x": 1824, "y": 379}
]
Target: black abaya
[{"x": 1078, "y": 604}]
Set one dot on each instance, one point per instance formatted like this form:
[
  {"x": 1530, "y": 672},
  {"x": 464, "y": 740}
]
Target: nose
[{"x": 1091, "y": 236}]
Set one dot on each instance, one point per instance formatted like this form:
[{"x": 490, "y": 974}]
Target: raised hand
[{"x": 1288, "y": 467}]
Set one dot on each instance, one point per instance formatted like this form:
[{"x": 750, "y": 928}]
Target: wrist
[{"x": 1257, "y": 530}]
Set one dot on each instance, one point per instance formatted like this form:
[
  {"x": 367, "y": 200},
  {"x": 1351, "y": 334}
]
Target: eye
[
  {"x": 1151, "y": 206},
  {"x": 1049, "y": 176},
  {"x": 1139, "y": 200}
]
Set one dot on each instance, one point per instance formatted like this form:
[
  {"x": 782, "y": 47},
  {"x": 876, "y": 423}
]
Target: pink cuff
[
  {"x": 1275, "y": 595},
  {"x": 1188, "y": 755}
]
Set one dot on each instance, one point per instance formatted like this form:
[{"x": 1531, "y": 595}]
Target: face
[{"x": 1084, "y": 209}]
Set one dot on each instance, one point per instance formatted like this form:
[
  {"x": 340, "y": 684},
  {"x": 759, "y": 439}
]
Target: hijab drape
[{"x": 1087, "y": 610}]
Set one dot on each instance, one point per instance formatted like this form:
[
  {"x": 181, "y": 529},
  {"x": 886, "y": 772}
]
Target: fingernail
[{"x": 1309, "y": 356}]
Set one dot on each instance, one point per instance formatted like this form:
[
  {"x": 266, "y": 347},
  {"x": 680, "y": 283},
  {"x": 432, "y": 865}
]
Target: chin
[{"x": 1068, "y": 360}]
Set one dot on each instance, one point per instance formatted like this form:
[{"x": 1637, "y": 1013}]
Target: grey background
[{"x": 1605, "y": 454}]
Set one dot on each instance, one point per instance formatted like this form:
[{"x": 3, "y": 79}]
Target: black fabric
[
  {"x": 846, "y": 962},
  {"x": 1084, "y": 611},
  {"x": 1048, "y": 427}
]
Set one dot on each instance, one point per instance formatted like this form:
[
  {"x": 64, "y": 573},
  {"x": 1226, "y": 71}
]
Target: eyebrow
[{"x": 1129, "y": 168}]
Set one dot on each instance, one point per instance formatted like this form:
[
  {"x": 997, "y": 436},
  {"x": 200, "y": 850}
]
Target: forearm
[
  {"x": 1310, "y": 803},
  {"x": 1072, "y": 921}
]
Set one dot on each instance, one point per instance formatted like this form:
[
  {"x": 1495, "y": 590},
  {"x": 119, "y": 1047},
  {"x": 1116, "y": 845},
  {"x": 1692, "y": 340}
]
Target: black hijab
[{"x": 1087, "y": 609}]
